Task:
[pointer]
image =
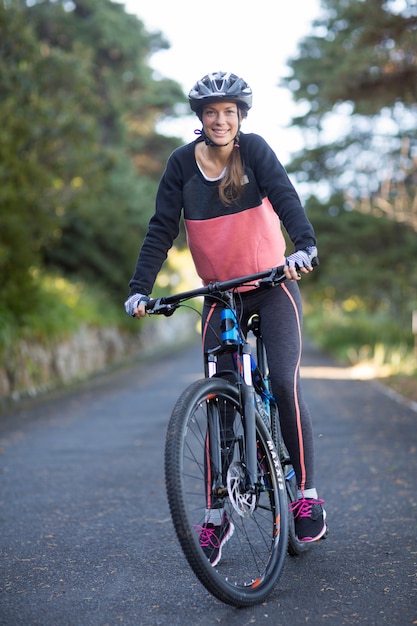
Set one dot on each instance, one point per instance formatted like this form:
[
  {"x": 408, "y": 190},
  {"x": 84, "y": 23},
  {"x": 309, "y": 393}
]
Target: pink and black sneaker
[
  {"x": 212, "y": 538},
  {"x": 309, "y": 518}
]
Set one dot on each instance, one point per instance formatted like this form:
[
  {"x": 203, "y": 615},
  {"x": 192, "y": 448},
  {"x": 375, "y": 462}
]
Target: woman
[{"x": 234, "y": 193}]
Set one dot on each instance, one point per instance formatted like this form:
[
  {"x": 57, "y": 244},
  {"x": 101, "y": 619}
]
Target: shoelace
[
  {"x": 303, "y": 506},
  {"x": 206, "y": 536}
]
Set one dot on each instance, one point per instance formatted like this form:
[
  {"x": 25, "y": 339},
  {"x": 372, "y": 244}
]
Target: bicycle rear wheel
[
  {"x": 295, "y": 546},
  {"x": 252, "y": 559}
]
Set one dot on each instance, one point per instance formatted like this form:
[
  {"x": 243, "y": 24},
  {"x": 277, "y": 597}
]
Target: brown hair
[{"x": 231, "y": 186}]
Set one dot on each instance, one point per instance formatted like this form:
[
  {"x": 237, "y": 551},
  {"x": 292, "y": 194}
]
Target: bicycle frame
[{"x": 232, "y": 341}]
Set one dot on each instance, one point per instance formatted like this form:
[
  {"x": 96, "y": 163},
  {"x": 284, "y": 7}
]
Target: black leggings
[{"x": 280, "y": 310}]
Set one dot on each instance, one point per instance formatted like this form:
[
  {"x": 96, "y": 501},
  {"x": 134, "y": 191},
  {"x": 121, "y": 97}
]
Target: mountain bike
[{"x": 224, "y": 445}]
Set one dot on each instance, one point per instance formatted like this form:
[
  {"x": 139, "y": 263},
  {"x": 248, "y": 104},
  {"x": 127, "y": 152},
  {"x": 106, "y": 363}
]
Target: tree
[
  {"x": 363, "y": 53},
  {"x": 104, "y": 223},
  {"x": 355, "y": 78},
  {"x": 364, "y": 260},
  {"x": 79, "y": 157},
  {"x": 40, "y": 123}
]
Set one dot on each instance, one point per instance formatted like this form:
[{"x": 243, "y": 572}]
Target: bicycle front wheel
[{"x": 253, "y": 557}]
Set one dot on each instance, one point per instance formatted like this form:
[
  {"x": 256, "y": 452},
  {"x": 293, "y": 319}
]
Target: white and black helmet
[{"x": 219, "y": 86}]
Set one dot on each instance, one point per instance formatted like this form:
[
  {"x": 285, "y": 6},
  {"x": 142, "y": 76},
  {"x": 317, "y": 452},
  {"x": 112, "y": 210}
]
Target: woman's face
[{"x": 221, "y": 122}]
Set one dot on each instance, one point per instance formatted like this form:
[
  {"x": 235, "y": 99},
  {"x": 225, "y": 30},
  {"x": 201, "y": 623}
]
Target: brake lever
[
  {"x": 276, "y": 277},
  {"x": 158, "y": 307}
]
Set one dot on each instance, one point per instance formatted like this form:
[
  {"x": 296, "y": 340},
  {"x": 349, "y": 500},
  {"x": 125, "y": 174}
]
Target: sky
[{"x": 249, "y": 38}]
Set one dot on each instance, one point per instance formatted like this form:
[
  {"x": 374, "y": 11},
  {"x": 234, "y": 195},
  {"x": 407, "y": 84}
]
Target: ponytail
[
  {"x": 231, "y": 185},
  {"x": 230, "y": 188}
]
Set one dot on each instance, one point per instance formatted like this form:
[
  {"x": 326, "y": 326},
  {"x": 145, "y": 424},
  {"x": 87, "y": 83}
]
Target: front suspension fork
[
  {"x": 249, "y": 419},
  {"x": 248, "y": 401}
]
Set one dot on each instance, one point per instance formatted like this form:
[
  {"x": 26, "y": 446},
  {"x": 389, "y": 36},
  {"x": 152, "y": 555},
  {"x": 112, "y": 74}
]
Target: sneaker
[
  {"x": 212, "y": 539},
  {"x": 309, "y": 518}
]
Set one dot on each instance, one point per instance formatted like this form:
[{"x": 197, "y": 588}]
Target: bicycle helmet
[{"x": 219, "y": 86}]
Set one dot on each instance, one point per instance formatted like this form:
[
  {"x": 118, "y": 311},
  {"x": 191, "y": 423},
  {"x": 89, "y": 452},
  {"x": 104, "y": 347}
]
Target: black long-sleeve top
[{"x": 225, "y": 241}]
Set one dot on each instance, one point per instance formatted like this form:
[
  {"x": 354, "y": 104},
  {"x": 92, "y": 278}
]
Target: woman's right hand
[{"x": 135, "y": 305}]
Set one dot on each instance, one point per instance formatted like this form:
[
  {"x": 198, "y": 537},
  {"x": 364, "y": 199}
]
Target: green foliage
[
  {"x": 366, "y": 263},
  {"x": 359, "y": 52},
  {"x": 364, "y": 291},
  {"x": 355, "y": 78},
  {"x": 24, "y": 215},
  {"x": 79, "y": 156},
  {"x": 59, "y": 308},
  {"x": 99, "y": 237},
  {"x": 348, "y": 335}
]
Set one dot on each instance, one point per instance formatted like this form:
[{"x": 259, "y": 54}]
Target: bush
[
  {"x": 57, "y": 307},
  {"x": 355, "y": 337}
]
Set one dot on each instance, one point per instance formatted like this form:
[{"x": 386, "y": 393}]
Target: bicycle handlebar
[{"x": 166, "y": 305}]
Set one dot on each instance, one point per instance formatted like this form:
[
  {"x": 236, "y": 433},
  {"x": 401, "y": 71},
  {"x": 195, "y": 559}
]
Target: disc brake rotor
[{"x": 243, "y": 502}]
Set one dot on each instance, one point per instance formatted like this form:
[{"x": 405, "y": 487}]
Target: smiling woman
[
  {"x": 233, "y": 194},
  {"x": 221, "y": 101}
]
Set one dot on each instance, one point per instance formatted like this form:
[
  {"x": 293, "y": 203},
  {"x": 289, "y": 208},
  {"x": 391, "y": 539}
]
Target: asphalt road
[{"x": 86, "y": 537}]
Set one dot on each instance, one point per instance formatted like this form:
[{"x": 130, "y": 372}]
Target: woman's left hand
[{"x": 300, "y": 261}]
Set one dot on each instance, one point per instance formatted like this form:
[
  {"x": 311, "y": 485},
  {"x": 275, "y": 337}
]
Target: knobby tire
[
  {"x": 295, "y": 546},
  {"x": 252, "y": 559}
]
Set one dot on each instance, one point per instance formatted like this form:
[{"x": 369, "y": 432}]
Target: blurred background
[{"x": 93, "y": 101}]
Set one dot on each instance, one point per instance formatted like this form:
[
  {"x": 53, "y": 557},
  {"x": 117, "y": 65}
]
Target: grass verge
[{"x": 374, "y": 342}]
